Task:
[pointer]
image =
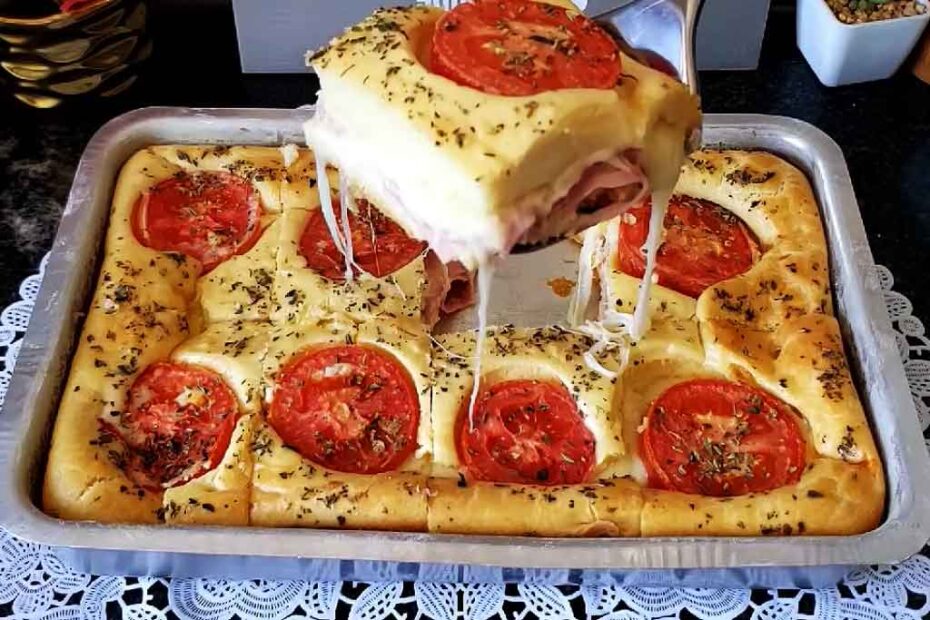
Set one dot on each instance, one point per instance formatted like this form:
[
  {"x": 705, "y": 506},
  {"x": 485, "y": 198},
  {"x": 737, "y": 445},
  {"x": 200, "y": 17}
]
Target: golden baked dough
[
  {"x": 263, "y": 166},
  {"x": 240, "y": 288},
  {"x": 145, "y": 305},
  {"x": 82, "y": 478},
  {"x": 222, "y": 495},
  {"x": 609, "y": 507},
  {"x": 619, "y": 291},
  {"x": 771, "y": 327},
  {"x": 547, "y": 353},
  {"x": 291, "y": 490},
  {"x": 774, "y": 199},
  {"x": 833, "y": 497},
  {"x": 605, "y": 508},
  {"x": 235, "y": 351},
  {"x": 669, "y": 353},
  {"x": 301, "y": 294},
  {"x": 407, "y": 342},
  {"x": 849, "y": 497},
  {"x": 131, "y": 272}
]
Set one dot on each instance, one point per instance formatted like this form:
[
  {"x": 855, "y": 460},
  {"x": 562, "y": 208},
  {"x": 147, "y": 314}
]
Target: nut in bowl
[
  {"x": 850, "y": 41},
  {"x": 862, "y": 11}
]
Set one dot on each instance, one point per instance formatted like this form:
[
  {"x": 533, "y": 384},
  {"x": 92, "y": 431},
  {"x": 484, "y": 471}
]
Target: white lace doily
[{"x": 35, "y": 584}]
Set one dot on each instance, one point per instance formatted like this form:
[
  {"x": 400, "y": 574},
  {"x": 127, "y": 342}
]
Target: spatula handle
[{"x": 662, "y": 27}]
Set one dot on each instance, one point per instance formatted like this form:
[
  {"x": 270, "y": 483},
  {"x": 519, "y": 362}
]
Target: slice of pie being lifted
[{"x": 501, "y": 122}]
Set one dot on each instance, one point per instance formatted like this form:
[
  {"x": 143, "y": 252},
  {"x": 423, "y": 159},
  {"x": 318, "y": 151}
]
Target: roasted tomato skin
[
  {"x": 521, "y": 48},
  {"x": 525, "y": 432},
  {"x": 350, "y": 408},
  {"x": 177, "y": 425},
  {"x": 703, "y": 244},
  {"x": 380, "y": 247},
  {"x": 208, "y": 216},
  {"x": 721, "y": 438}
]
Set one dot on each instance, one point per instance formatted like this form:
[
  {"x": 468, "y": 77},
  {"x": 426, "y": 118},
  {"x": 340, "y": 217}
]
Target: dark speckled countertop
[{"x": 883, "y": 128}]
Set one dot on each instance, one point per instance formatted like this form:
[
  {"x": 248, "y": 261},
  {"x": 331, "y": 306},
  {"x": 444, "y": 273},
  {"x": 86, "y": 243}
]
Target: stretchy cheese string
[
  {"x": 485, "y": 276},
  {"x": 588, "y": 257},
  {"x": 653, "y": 240},
  {"x": 344, "y": 198},
  {"x": 445, "y": 350},
  {"x": 289, "y": 154},
  {"x": 612, "y": 332},
  {"x": 590, "y": 359},
  {"x": 400, "y": 291},
  {"x": 326, "y": 205},
  {"x": 610, "y": 335},
  {"x": 374, "y": 242}
]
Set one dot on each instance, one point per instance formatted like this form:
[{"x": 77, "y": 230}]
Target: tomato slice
[
  {"x": 350, "y": 408},
  {"x": 379, "y": 246},
  {"x": 521, "y": 47},
  {"x": 177, "y": 425},
  {"x": 704, "y": 244},
  {"x": 209, "y": 216},
  {"x": 720, "y": 438},
  {"x": 525, "y": 432}
]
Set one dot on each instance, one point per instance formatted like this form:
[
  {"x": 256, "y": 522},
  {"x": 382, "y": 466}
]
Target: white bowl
[{"x": 848, "y": 53}]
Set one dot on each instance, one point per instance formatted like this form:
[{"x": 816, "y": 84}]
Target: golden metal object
[
  {"x": 922, "y": 58},
  {"x": 92, "y": 51}
]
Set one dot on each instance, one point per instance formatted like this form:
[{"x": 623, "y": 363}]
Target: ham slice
[
  {"x": 450, "y": 287},
  {"x": 461, "y": 292},
  {"x": 605, "y": 190}
]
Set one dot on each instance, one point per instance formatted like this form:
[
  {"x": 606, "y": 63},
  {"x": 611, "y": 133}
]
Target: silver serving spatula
[
  {"x": 657, "y": 28},
  {"x": 659, "y": 33}
]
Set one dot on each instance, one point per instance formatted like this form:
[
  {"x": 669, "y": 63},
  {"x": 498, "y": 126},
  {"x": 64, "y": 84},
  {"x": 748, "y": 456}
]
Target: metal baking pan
[{"x": 32, "y": 401}]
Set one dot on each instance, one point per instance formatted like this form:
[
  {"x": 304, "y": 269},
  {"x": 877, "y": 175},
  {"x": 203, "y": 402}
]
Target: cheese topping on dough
[{"x": 545, "y": 354}]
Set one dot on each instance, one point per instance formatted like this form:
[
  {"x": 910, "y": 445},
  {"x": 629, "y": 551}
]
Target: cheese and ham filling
[
  {"x": 598, "y": 192},
  {"x": 605, "y": 190}
]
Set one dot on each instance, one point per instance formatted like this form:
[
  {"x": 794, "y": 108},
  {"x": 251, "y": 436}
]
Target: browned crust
[
  {"x": 832, "y": 497},
  {"x": 610, "y": 508},
  {"x": 290, "y": 491}
]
